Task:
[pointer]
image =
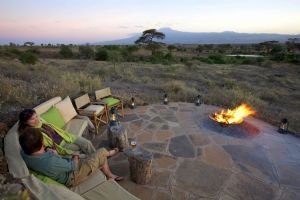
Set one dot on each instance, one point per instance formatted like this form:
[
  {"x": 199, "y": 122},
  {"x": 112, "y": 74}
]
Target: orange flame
[{"x": 234, "y": 116}]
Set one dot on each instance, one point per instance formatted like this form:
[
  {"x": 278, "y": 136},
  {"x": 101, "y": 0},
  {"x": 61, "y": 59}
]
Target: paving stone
[
  {"x": 128, "y": 118},
  {"x": 164, "y": 127},
  {"x": 157, "y": 120},
  {"x": 199, "y": 152},
  {"x": 151, "y": 127},
  {"x": 142, "y": 192},
  {"x": 118, "y": 158},
  {"x": 144, "y": 137},
  {"x": 177, "y": 194},
  {"x": 242, "y": 186},
  {"x": 201, "y": 179},
  {"x": 216, "y": 156},
  {"x": 253, "y": 160},
  {"x": 289, "y": 174},
  {"x": 160, "y": 179},
  {"x": 199, "y": 139},
  {"x": 163, "y": 195},
  {"x": 166, "y": 162},
  {"x": 180, "y": 146},
  {"x": 155, "y": 146},
  {"x": 170, "y": 118},
  {"x": 163, "y": 135},
  {"x": 145, "y": 117}
]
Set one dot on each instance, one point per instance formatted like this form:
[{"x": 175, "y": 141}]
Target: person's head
[
  {"x": 31, "y": 140},
  {"x": 28, "y": 118}
]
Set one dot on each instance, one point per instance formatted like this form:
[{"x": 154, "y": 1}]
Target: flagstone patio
[{"x": 192, "y": 161}]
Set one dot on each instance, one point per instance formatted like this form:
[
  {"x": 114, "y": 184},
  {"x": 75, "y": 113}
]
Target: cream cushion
[
  {"x": 66, "y": 109},
  {"x": 40, "y": 109},
  {"x": 91, "y": 109}
]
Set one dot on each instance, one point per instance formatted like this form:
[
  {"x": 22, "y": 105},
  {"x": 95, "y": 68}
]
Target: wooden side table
[
  {"x": 117, "y": 137},
  {"x": 140, "y": 164}
]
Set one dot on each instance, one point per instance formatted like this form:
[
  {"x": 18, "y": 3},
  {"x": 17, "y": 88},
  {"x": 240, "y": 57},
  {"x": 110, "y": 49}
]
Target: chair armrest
[{"x": 98, "y": 103}]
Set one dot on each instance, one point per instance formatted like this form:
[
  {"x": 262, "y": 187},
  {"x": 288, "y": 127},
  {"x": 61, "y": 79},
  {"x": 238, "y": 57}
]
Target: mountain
[{"x": 179, "y": 37}]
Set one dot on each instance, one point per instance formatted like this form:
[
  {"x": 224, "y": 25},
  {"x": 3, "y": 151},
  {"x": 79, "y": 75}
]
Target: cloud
[{"x": 123, "y": 27}]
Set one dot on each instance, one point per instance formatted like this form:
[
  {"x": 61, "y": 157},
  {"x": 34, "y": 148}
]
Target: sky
[{"x": 88, "y": 21}]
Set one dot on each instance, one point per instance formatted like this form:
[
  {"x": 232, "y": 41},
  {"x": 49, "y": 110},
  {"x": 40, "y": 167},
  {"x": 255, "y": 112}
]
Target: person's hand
[
  {"x": 75, "y": 158},
  {"x": 52, "y": 151}
]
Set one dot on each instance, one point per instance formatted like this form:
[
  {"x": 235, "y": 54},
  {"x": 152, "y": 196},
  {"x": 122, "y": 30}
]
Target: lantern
[
  {"x": 198, "y": 100},
  {"x": 132, "y": 104},
  {"x": 113, "y": 117},
  {"x": 283, "y": 127},
  {"x": 165, "y": 99}
]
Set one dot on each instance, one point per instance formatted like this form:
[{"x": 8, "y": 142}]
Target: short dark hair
[
  {"x": 31, "y": 140},
  {"x": 24, "y": 116}
]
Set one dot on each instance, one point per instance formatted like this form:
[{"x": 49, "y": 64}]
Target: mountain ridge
[{"x": 225, "y": 37}]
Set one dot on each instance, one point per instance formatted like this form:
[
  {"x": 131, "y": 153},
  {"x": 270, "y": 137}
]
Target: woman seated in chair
[{"x": 55, "y": 139}]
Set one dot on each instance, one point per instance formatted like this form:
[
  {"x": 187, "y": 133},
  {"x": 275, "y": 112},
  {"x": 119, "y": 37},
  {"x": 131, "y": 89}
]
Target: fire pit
[{"x": 231, "y": 122}]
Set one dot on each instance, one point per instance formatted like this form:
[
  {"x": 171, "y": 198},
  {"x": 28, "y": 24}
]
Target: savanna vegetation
[{"x": 269, "y": 83}]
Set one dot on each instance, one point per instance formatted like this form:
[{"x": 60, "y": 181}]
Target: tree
[
  {"x": 148, "y": 38},
  {"x": 28, "y": 43},
  {"x": 101, "y": 54}
]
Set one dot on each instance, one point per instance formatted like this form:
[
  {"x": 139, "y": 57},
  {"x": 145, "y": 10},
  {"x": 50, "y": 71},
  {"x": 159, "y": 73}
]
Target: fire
[{"x": 234, "y": 116}]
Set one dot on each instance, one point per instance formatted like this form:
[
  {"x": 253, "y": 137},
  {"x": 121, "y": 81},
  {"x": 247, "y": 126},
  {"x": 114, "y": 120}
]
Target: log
[
  {"x": 140, "y": 165},
  {"x": 117, "y": 137}
]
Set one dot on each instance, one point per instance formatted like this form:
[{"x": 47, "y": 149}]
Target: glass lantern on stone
[
  {"x": 198, "y": 101},
  {"x": 113, "y": 117},
  {"x": 283, "y": 127},
  {"x": 166, "y": 99},
  {"x": 132, "y": 104}
]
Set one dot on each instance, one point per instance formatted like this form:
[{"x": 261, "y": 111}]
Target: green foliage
[
  {"x": 28, "y": 57},
  {"x": 101, "y": 54},
  {"x": 65, "y": 51},
  {"x": 86, "y": 52},
  {"x": 111, "y": 47}
]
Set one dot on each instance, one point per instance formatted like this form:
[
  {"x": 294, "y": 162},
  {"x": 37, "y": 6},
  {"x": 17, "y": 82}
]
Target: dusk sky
[{"x": 82, "y": 21}]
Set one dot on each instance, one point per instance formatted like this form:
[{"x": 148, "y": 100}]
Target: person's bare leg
[
  {"x": 105, "y": 169},
  {"x": 112, "y": 152}
]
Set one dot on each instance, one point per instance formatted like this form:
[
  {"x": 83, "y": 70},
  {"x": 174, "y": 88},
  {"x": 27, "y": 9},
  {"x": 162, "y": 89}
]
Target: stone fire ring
[{"x": 195, "y": 159}]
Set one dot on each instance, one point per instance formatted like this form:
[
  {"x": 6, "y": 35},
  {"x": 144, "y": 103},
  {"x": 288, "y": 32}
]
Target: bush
[
  {"x": 28, "y": 58},
  {"x": 65, "y": 51},
  {"x": 101, "y": 54},
  {"x": 86, "y": 52}
]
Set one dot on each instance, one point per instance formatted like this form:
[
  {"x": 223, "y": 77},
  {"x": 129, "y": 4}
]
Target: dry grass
[{"x": 273, "y": 90}]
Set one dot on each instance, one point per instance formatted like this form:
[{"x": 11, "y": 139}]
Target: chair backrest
[
  {"x": 102, "y": 93},
  {"x": 40, "y": 109},
  {"x": 82, "y": 101}
]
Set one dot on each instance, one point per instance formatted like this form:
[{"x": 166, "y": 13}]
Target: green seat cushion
[
  {"x": 45, "y": 179},
  {"x": 110, "y": 101},
  {"x": 53, "y": 117}
]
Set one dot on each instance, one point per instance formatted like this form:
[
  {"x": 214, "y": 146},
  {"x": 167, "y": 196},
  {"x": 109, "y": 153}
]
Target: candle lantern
[
  {"x": 132, "y": 104},
  {"x": 166, "y": 99},
  {"x": 283, "y": 127},
  {"x": 113, "y": 117},
  {"x": 198, "y": 100}
]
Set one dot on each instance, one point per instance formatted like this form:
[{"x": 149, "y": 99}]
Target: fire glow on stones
[{"x": 234, "y": 116}]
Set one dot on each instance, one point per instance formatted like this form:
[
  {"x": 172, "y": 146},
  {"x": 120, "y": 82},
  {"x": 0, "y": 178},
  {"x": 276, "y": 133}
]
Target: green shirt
[{"x": 51, "y": 165}]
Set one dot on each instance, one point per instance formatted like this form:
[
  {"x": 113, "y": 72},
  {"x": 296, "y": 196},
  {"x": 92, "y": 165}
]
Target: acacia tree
[{"x": 148, "y": 38}]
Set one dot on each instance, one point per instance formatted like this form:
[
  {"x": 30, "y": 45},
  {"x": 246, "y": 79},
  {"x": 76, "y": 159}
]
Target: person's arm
[{"x": 62, "y": 165}]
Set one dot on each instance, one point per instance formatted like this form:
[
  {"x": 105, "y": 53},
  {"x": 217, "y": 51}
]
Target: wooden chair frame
[
  {"x": 84, "y": 101},
  {"x": 106, "y": 92}
]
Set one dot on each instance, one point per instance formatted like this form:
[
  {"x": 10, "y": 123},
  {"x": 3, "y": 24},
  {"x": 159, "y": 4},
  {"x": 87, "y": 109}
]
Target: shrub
[
  {"x": 28, "y": 58},
  {"x": 86, "y": 52},
  {"x": 101, "y": 54},
  {"x": 65, "y": 51},
  {"x": 179, "y": 91}
]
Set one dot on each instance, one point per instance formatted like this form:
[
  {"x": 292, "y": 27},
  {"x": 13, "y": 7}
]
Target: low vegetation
[{"x": 270, "y": 84}]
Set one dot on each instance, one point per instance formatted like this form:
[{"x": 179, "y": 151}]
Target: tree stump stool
[
  {"x": 117, "y": 137},
  {"x": 140, "y": 165}
]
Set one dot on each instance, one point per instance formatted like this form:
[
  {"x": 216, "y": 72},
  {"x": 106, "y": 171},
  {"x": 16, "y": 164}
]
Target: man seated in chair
[{"x": 67, "y": 171}]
